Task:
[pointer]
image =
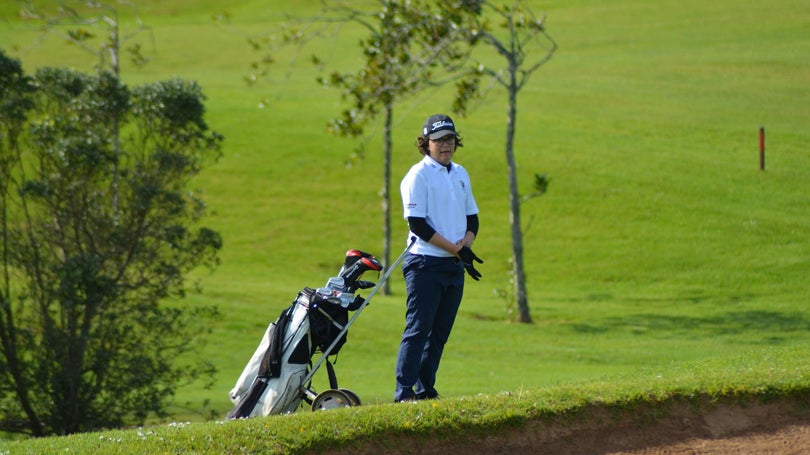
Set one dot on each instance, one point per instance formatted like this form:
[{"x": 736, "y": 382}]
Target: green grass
[
  {"x": 659, "y": 244},
  {"x": 759, "y": 375}
]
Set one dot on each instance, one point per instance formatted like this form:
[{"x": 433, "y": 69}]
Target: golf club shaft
[{"x": 357, "y": 313}]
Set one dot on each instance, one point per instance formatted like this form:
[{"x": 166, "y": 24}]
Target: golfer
[{"x": 441, "y": 212}]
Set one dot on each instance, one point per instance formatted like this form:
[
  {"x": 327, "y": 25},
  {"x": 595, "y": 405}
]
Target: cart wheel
[
  {"x": 331, "y": 399},
  {"x": 353, "y": 398}
]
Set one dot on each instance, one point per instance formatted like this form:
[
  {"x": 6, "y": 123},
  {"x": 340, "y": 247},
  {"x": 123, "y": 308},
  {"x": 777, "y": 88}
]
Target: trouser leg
[
  {"x": 442, "y": 326},
  {"x": 435, "y": 287}
]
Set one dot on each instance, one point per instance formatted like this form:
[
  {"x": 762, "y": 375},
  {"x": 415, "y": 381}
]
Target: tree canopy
[{"x": 97, "y": 230}]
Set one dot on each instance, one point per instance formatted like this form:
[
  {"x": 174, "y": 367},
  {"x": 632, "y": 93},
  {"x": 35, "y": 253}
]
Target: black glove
[{"x": 467, "y": 257}]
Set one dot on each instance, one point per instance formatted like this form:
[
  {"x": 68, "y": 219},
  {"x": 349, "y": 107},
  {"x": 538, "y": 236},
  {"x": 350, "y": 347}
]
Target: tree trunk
[
  {"x": 386, "y": 190},
  {"x": 521, "y": 299},
  {"x": 12, "y": 360}
]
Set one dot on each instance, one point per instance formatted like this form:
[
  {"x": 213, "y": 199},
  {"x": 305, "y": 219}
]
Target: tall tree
[
  {"x": 404, "y": 46},
  {"x": 95, "y": 236},
  {"x": 413, "y": 44},
  {"x": 520, "y": 31}
]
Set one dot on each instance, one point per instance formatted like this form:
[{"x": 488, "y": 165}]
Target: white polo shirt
[{"x": 443, "y": 198}]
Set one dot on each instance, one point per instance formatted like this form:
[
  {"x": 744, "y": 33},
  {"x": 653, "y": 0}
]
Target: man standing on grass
[{"x": 441, "y": 212}]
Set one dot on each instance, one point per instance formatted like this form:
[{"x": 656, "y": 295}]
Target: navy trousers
[{"x": 435, "y": 286}]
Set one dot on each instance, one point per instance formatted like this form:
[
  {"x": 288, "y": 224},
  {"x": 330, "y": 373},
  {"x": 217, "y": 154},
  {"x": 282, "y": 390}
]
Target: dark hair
[{"x": 423, "y": 144}]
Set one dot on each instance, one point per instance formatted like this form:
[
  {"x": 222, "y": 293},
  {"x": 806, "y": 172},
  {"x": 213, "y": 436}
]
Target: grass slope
[
  {"x": 643, "y": 398},
  {"x": 659, "y": 241}
]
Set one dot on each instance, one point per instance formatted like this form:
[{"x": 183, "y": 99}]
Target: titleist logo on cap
[{"x": 442, "y": 124}]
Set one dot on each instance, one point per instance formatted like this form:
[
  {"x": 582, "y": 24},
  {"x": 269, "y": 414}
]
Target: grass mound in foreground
[{"x": 768, "y": 382}]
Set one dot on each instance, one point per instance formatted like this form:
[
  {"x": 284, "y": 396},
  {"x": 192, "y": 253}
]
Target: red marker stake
[{"x": 761, "y": 148}]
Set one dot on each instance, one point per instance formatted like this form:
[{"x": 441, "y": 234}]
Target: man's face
[{"x": 443, "y": 148}]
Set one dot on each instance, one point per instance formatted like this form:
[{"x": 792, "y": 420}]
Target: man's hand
[{"x": 467, "y": 257}]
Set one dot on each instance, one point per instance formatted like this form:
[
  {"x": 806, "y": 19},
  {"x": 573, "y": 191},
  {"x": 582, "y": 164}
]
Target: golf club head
[
  {"x": 353, "y": 256},
  {"x": 355, "y": 264}
]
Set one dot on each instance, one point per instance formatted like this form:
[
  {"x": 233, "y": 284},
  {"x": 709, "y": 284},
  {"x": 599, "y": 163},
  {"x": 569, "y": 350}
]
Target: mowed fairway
[{"x": 660, "y": 240}]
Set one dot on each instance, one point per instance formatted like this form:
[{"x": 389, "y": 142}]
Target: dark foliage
[{"x": 99, "y": 226}]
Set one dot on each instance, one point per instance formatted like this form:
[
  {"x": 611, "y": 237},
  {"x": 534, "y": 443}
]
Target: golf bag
[{"x": 276, "y": 378}]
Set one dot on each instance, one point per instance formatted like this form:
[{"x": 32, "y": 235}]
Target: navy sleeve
[
  {"x": 421, "y": 228},
  {"x": 472, "y": 224}
]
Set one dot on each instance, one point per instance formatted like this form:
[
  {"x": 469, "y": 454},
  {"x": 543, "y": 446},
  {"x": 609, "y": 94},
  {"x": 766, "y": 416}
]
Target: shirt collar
[{"x": 437, "y": 165}]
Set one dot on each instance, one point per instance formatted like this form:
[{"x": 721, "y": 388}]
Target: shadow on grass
[{"x": 777, "y": 325}]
